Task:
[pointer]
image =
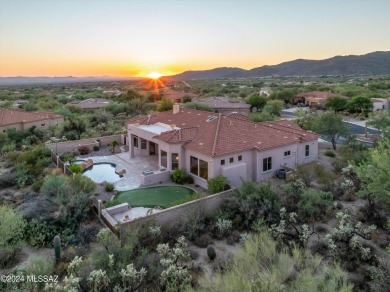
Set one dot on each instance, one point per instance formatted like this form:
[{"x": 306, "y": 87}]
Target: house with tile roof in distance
[
  {"x": 21, "y": 120},
  {"x": 379, "y": 104},
  {"x": 315, "y": 99},
  {"x": 208, "y": 144},
  {"x": 226, "y": 105},
  {"x": 91, "y": 103}
]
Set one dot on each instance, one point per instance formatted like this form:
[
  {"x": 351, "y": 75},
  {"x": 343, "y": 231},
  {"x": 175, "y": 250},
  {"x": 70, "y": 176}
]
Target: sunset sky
[{"x": 134, "y": 38}]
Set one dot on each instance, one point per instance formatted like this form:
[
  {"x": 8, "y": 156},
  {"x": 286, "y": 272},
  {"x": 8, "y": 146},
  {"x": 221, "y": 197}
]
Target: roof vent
[{"x": 210, "y": 119}]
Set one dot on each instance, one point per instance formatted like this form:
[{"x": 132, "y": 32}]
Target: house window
[
  {"x": 307, "y": 150},
  {"x": 267, "y": 163},
  {"x": 287, "y": 153},
  {"x": 175, "y": 161},
  {"x": 42, "y": 125},
  {"x": 143, "y": 144},
  {"x": 223, "y": 162},
  {"x": 163, "y": 159},
  {"x": 231, "y": 159},
  {"x": 199, "y": 167},
  {"x": 135, "y": 141},
  {"x": 203, "y": 169},
  {"x": 194, "y": 165},
  {"x": 239, "y": 157},
  {"x": 216, "y": 111}
]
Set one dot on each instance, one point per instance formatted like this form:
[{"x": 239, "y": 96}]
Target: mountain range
[{"x": 376, "y": 63}]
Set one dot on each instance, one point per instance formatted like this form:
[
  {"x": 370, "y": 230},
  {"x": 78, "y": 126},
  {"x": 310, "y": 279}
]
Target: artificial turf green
[{"x": 164, "y": 196}]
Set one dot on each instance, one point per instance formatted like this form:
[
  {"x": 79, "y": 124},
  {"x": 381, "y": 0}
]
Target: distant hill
[
  {"x": 21, "y": 80},
  {"x": 376, "y": 63}
]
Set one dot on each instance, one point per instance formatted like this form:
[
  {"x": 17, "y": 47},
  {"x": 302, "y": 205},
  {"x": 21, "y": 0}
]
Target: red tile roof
[
  {"x": 15, "y": 116},
  {"x": 225, "y": 134}
]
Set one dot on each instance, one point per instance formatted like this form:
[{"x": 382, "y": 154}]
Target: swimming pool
[{"x": 101, "y": 172}]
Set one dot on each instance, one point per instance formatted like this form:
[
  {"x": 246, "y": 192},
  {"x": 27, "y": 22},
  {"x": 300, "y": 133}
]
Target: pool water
[{"x": 102, "y": 172}]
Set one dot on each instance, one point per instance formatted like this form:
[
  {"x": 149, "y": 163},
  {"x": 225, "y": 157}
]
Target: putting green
[{"x": 164, "y": 196}]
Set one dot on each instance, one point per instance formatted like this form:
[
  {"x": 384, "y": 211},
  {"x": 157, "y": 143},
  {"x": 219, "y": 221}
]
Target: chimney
[{"x": 176, "y": 108}]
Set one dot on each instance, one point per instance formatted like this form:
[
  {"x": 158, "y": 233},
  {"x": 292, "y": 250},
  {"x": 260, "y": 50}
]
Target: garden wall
[
  {"x": 208, "y": 206},
  {"x": 155, "y": 177},
  {"x": 69, "y": 146}
]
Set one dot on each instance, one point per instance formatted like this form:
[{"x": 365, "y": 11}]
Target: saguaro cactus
[{"x": 57, "y": 248}]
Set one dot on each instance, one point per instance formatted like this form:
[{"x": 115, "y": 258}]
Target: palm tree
[{"x": 114, "y": 144}]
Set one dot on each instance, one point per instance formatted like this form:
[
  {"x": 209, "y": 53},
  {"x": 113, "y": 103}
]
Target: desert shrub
[
  {"x": 329, "y": 153},
  {"x": 39, "y": 234},
  {"x": 96, "y": 148},
  {"x": 312, "y": 203},
  {"x": 217, "y": 184},
  {"x": 109, "y": 187},
  {"x": 193, "y": 254},
  {"x": 204, "y": 240},
  {"x": 179, "y": 176},
  {"x": 7, "y": 180},
  {"x": 223, "y": 226},
  {"x": 84, "y": 150},
  {"x": 380, "y": 276},
  {"x": 211, "y": 253},
  {"x": 12, "y": 226},
  {"x": 53, "y": 185},
  {"x": 250, "y": 202},
  {"x": 296, "y": 270},
  {"x": 234, "y": 237},
  {"x": 76, "y": 168},
  {"x": 192, "y": 224},
  {"x": 79, "y": 183}
]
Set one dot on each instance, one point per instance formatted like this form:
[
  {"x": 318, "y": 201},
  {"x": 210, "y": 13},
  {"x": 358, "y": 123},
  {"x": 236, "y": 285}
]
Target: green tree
[
  {"x": 374, "y": 174},
  {"x": 165, "y": 105},
  {"x": 12, "y": 226},
  {"x": 381, "y": 121},
  {"x": 330, "y": 126},
  {"x": 336, "y": 103},
  {"x": 263, "y": 117},
  {"x": 359, "y": 104},
  {"x": 53, "y": 185},
  {"x": 76, "y": 125},
  {"x": 257, "y": 101},
  {"x": 273, "y": 107}
]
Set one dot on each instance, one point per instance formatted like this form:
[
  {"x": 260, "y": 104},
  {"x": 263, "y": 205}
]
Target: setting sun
[{"x": 154, "y": 75}]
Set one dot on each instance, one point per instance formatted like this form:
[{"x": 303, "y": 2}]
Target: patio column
[
  {"x": 131, "y": 146},
  {"x": 139, "y": 146}
]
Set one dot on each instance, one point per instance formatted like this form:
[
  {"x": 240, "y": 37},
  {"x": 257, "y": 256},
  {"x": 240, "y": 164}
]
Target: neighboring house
[
  {"x": 226, "y": 105},
  {"x": 91, "y": 103},
  {"x": 379, "y": 104},
  {"x": 19, "y": 102},
  {"x": 315, "y": 99},
  {"x": 21, "y": 120},
  {"x": 210, "y": 144}
]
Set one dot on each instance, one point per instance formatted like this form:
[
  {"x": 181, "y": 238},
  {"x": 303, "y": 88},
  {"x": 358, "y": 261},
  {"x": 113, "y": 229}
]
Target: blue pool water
[{"x": 102, "y": 172}]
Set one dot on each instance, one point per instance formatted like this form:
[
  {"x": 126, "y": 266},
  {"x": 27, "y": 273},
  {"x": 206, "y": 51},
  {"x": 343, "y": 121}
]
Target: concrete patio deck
[{"x": 133, "y": 166}]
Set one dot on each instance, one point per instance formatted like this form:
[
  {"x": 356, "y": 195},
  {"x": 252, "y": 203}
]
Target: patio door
[{"x": 152, "y": 148}]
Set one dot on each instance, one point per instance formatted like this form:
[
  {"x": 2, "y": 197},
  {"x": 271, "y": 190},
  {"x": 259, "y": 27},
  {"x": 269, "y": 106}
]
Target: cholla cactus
[
  {"x": 155, "y": 230},
  {"x": 244, "y": 237},
  {"x": 131, "y": 278},
  {"x": 74, "y": 265},
  {"x": 70, "y": 284},
  {"x": 223, "y": 226},
  {"x": 174, "y": 277},
  {"x": 98, "y": 280},
  {"x": 111, "y": 260},
  {"x": 344, "y": 239},
  {"x": 279, "y": 231}
]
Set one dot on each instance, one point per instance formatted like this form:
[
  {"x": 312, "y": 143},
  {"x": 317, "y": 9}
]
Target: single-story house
[
  {"x": 315, "y": 98},
  {"x": 225, "y": 105},
  {"x": 379, "y": 104},
  {"x": 91, "y": 103},
  {"x": 208, "y": 144},
  {"x": 177, "y": 96},
  {"x": 21, "y": 120}
]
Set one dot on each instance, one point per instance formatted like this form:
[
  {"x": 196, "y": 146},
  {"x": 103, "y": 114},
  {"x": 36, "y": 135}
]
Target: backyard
[{"x": 163, "y": 196}]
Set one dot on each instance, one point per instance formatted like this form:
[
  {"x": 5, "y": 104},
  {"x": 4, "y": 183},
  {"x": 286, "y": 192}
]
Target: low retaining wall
[
  {"x": 155, "y": 177},
  {"x": 70, "y": 146},
  {"x": 208, "y": 206}
]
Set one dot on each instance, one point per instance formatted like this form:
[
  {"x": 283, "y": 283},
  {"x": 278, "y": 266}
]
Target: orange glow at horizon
[{"x": 154, "y": 75}]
